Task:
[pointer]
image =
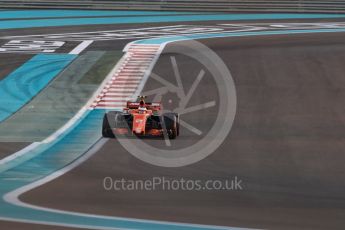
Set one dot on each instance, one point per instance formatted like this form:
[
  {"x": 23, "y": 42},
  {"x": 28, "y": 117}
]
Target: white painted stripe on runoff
[
  {"x": 109, "y": 108},
  {"x": 129, "y": 76},
  {"x": 121, "y": 78},
  {"x": 118, "y": 90},
  {"x": 19, "y": 153},
  {"x": 111, "y": 103},
  {"x": 131, "y": 67},
  {"x": 82, "y": 46},
  {"x": 121, "y": 86},
  {"x": 118, "y": 94},
  {"x": 112, "y": 99},
  {"x": 139, "y": 62},
  {"x": 155, "y": 57},
  {"x": 128, "y": 81}
]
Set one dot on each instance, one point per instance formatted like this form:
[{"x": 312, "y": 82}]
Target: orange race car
[{"x": 141, "y": 119}]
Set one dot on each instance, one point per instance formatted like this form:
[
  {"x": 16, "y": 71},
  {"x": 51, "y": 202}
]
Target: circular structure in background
[{"x": 221, "y": 122}]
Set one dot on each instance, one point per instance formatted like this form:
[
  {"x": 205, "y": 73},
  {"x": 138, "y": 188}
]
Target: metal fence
[{"x": 312, "y": 6}]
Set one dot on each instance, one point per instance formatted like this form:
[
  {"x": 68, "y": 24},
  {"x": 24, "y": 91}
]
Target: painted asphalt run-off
[{"x": 124, "y": 81}]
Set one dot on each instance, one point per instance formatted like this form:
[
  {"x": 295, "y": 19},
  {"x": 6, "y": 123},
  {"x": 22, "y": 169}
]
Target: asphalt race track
[{"x": 285, "y": 144}]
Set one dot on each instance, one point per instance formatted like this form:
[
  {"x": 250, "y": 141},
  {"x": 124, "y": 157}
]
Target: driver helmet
[{"x": 142, "y": 109}]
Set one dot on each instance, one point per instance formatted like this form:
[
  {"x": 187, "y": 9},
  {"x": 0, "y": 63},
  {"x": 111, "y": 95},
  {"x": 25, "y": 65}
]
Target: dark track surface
[
  {"x": 286, "y": 145},
  {"x": 6, "y": 67},
  {"x": 9, "y": 148}
]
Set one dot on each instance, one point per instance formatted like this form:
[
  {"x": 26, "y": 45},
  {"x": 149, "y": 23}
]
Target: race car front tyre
[
  {"x": 109, "y": 124},
  {"x": 171, "y": 125},
  {"x": 177, "y": 125},
  {"x": 106, "y": 130}
]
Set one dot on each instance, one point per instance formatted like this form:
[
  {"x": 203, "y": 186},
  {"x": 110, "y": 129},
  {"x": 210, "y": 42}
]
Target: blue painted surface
[
  {"x": 54, "y": 156},
  {"x": 232, "y": 34},
  {"x": 13, "y": 14},
  {"x": 12, "y": 24},
  {"x": 19, "y": 87}
]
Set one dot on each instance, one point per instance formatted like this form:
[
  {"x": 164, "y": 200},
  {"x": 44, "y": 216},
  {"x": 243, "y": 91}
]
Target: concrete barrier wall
[{"x": 311, "y": 6}]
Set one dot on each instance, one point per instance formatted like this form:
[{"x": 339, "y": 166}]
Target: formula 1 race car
[{"x": 141, "y": 119}]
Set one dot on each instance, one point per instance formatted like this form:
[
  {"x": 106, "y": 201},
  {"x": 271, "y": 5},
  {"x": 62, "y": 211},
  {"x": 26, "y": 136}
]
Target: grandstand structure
[{"x": 279, "y": 6}]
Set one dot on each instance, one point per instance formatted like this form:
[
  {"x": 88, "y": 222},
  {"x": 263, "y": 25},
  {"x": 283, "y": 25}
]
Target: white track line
[
  {"x": 118, "y": 94},
  {"x": 82, "y": 46},
  {"x": 118, "y": 90},
  {"x": 19, "y": 153}
]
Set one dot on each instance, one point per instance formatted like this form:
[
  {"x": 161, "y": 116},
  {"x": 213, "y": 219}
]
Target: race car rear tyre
[
  {"x": 178, "y": 125},
  {"x": 109, "y": 124},
  {"x": 170, "y": 120}
]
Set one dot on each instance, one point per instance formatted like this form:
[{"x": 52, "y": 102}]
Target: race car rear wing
[{"x": 149, "y": 105}]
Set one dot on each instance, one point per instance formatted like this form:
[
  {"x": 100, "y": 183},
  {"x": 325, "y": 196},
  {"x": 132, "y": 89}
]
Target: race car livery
[{"x": 141, "y": 119}]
